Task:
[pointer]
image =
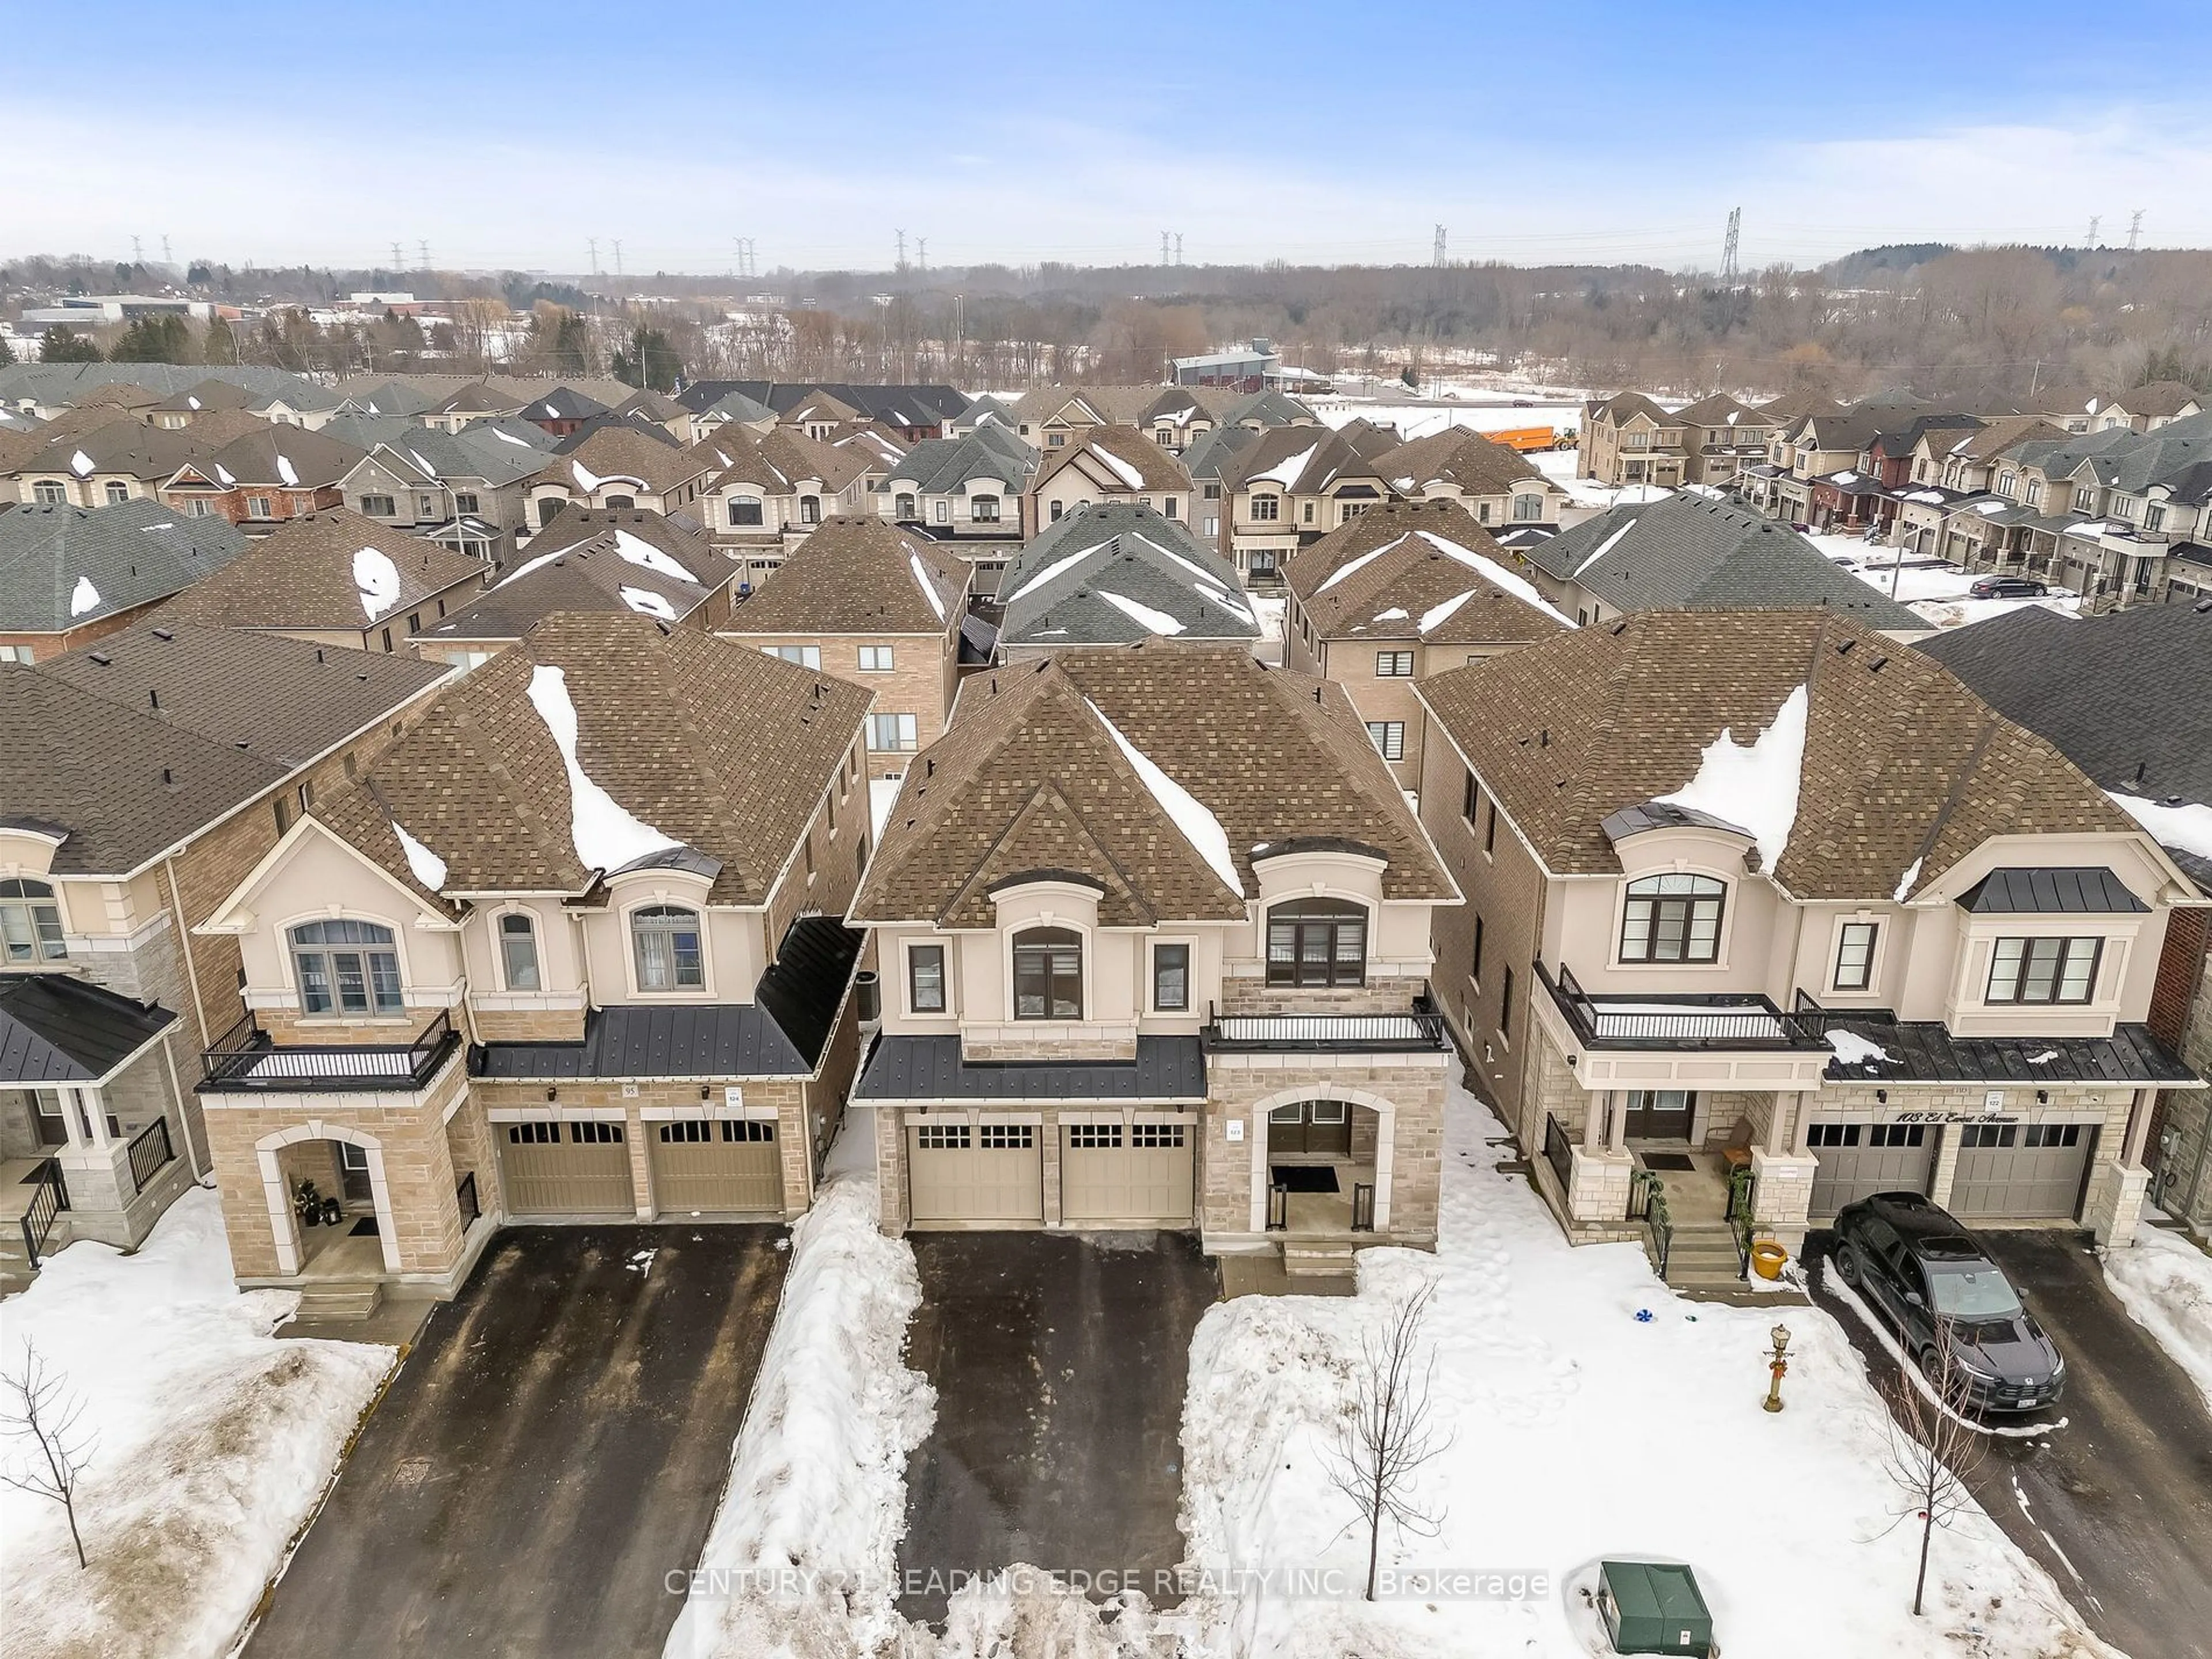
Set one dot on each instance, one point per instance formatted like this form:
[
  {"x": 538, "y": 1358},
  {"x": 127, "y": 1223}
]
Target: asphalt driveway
[
  {"x": 2115, "y": 1501},
  {"x": 554, "y": 1447},
  {"x": 1060, "y": 1362}
]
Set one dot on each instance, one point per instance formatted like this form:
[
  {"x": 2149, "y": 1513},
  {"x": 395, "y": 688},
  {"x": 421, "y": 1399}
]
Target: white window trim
[
  {"x": 625, "y": 911},
  {"x": 1731, "y": 893}
]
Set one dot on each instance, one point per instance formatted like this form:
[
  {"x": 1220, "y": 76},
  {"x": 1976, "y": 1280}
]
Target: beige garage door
[
  {"x": 963, "y": 1171},
  {"x": 565, "y": 1169},
  {"x": 1857, "y": 1160},
  {"x": 1125, "y": 1173},
  {"x": 2022, "y": 1171},
  {"x": 727, "y": 1166}
]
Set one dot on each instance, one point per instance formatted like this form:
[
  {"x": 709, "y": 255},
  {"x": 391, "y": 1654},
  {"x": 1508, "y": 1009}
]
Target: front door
[
  {"x": 1659, "y": 1113},
  {"x": 352, "y": 1174},
  {"x": 1311, "y": 1128}
]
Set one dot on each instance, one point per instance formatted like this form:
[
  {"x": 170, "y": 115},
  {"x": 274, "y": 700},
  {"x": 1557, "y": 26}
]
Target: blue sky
[{"x": 505, "y": 135}]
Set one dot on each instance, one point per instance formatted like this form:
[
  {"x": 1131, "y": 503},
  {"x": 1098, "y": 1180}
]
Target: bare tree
[
  {"x": 37, "y": 1404},
  {"x": 1933, "y": 1448},
  {"x": 1382, "y": 1445}
]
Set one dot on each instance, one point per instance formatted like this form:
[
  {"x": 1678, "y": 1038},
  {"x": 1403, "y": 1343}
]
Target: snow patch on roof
[
  {"x": 286, "y": 472},
  {"x": 882, "y": 795},
  {"x": 648, "y": 603},
  {"x": 1437, "y": 615},
  {"x": 1755, "y": 786},
  {"x": 1905, "y": 882},
  {"x": 640, "y": 551},
  {"x": 1153, "y": 622},
  {"x": 1285, "y": 473},
  {"x": 1396, "y": 613},
  {"x": 1853, "y": 1049},
  {"x": 606, "y": 833},
  {"x": 427, "y": 866},
  {"x": 1352, "y": 565},
  {"x": 81, "y": 464},
  {"x": 1120, "y": 469},
  {"x": 223, "y": 473},
  {"x": 378, "y": 579},
  {"x": 83, "y": 597},
  {"x": 1607, "y": 545},
  {"x": 509, "y": 438},
  {"x": 584, "y": 474},
  {"x": 921, "y": 581},
  {"x": 1510, "y": 581},
  {"x": 1200, "y": 827},
  {"x": 2181, "y": 825},
  {"x": 1058, "y": 566}
]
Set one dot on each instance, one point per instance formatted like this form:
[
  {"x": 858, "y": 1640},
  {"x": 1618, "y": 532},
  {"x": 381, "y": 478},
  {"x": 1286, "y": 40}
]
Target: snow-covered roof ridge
[
  {"x": 1190, "y": 815},
  {"x": 1755, "y": 786}
]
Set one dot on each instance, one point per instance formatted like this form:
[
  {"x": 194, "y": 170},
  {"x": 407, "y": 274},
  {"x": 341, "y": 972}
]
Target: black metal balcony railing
[
  {"x": 245, "y": 1059},
  {"x": 151, "y": 1153},
  {"x": 1689, "y": 1021},
  {"x": 465, "y": 1195},
  {"x": 1419, "y": 1028},
  {"x": 1558, "y": 1152}
]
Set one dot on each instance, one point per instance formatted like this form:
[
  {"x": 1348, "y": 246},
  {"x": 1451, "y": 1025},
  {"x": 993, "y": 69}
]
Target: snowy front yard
[
  {"x": 214, "y": 1441},
  {"x": 2165, "y": 1283},
  {"x": 1580, "y": 1430},
  {"x": 1937, "y": 593}
]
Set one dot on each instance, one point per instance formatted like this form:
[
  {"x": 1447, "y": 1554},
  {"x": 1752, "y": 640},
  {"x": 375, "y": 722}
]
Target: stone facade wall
[
  {"x": 1005, "y": 1043},
  {"x": 2184, "y": 1166},
  {"x": 527, "y": 1025},
  {"x": 1249, "y": 992}
]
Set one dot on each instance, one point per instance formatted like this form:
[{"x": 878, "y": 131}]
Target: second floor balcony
[
  {"x": 247, "y": 1060},
  {"x": 1418, "y": 1029},
  {"x": 1720, "y": 1020}
]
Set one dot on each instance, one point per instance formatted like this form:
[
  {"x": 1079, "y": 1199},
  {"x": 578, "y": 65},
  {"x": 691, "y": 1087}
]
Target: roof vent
[
  {"x": 164, "y": 634},
  {"x": 153, "y": 698},
  {"x": 1877, "y": 664},
  {"x": 319, "y": 653},
  {"x": 167, "y": 776},
  {"x": 99, "y": 657}
]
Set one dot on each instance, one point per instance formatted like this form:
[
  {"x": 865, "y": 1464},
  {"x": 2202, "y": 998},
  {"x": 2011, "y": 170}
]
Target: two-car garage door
[
  {"x": 708, "y": 1166},
  {"x": 1132, "y": 1169},
  {"x": 2004, "y": 1171}
]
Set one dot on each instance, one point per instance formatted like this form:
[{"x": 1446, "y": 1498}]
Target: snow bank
[
  {"x": 1580, "y": 1429},
  {"x": 2165, "y": 1283},
  {"x": 378, "y": 579},
  {"x": 213, "y": 1442},
  {"x": 817, "y": 1482},
  {"x": 1754, "y": 787},
  {"x": 606, "y": 834},
  {"x": 1191, "y": 816}
]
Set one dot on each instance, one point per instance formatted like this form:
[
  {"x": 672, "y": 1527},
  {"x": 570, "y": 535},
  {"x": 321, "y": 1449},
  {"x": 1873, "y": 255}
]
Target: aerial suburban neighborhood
[{"x": 1437, "y": 931}]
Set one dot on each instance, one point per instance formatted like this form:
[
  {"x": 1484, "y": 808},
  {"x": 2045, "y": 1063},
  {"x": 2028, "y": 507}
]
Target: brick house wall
[{"x": 44, "y": 647}]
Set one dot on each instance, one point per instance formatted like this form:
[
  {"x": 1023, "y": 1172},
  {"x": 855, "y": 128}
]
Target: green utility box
[{"x": 1650, "y": 1606}]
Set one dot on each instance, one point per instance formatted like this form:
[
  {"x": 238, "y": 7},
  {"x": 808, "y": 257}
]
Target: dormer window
[
  {"x": 744, "y": 512},
  {"x": 346, "y": 967},
  {"x": 30, "y": 923},
  {"x": 1317, "y": 942},
  {"x": 1048, "y": 973},
  {"x": 517, "y": 951},
  {"x": 666, "y": 939},
  {"x": 1672, "y": 918}
]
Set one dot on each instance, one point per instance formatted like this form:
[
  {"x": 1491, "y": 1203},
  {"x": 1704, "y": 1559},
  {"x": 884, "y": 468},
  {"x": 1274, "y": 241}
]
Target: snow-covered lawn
[
  {"x": 1581, "y": 1429},
  {"x": 1935, "y": 592},
  {"x": 800, "y": 1556},
  {"x": 214, "y": 1442},
  {"x": 2165, "y": 1283}
]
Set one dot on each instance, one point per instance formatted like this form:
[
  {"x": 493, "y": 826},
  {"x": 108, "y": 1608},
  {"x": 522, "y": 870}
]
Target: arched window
[
  {"x": 983, "y": 509},
  {"x": 30, "y": 923},
  {"x": 1528, "y": 506},
  {"x": 810, "y": 509},
  {"x": 1317, "y": 942},
  {"x": 745, "y": 510},
  {"x": 346, "y": 967},
  {"x": 1672, "y": 918},
  {"x": 666, "y": 938},
  {"x": 1048, "y": 973},
  {"x": 905, "y": 509},
  {"x": 517, "y": 951}
]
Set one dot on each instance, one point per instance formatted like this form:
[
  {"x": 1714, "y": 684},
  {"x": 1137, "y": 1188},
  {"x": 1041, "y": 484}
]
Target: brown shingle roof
[
  {"x": 1902, "y": 762},
  {"x": 857, "y": 575},
  {"x": 1411, "y": 575},
  {"x": 1456, "y": 456},
  {"x": 1029, "y": 778},
  {"x": 1127, "y": 448},
  {"x": 715, "y": 744},
  {"x": 155, "y": 733},
  {"x": 301, "y": 576},
  {"x": 624, "y": 451}
]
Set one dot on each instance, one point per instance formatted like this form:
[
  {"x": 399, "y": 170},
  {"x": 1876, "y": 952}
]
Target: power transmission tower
[
  {"x": 2134, "y": 229},
  {"x": 1729, "y": 246},
  {"x": 1178, "y": 247},
  {"x": 1166, "y": 237},
  {"x": 2094, "y": 221},
  {"x": 921, "y": 252},
  {"x": 164, "y": 252},
  {"x": 423, "y": 248},
  {"x": 399, "y": 264},
  {"x": 1436, "y": 249},
  {"x": 593, "y": 243},
  {"x": 137, "y": 254},
  {"x": 900, "y": 265},
  {"x": 617, "y": 258}
]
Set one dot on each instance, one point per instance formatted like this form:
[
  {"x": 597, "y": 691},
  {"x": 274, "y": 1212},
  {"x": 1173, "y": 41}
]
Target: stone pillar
[
  {"x": 1945, "y": 1170},
  {"x": 1782, "y": 1195},
  {"x": 1616, "y": 1133},
  {"x": 1598, "y": 1189},
  {"x": 2114, "y": 1208},
  {"x": 1594, "y": 1120},
  {"x": 1781, "y": 1121}
]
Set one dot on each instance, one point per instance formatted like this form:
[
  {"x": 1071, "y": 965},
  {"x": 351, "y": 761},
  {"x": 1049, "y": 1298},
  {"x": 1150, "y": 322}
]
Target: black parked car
[
  {"x": 2007, "y": 587},
  {"x": 1924, "y": 1274}
]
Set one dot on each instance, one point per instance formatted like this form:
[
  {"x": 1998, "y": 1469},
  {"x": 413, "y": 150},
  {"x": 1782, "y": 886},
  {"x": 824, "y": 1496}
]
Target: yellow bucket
[{"x": 1766, "y": 1259}]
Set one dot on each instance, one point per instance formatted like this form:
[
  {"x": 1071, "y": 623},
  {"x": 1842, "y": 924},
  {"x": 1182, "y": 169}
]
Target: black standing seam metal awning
[
  {"x": 56, "y": 1029},
  {"x": 930, "y": 1068},
  {"x": 2082, "y": 891},
  {"x": 1925, "y": 1051}
]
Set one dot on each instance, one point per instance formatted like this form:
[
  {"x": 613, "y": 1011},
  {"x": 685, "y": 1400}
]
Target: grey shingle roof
[
  {"x": 1056, "y": 593},
  {"x": 937, "y": 466},
  {"x": 1690, "y": 552},
  {"x": 130, "y": 553},
  {"x": 576, "y": 563}
]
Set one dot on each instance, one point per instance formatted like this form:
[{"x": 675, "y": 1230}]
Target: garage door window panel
[
  {"x": 666, "y": 941},
  {"x": 1048, "y": 974}
]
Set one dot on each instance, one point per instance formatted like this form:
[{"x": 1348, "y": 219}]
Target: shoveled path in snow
[
  {"x": 553, "y": 1449},
  {"x": 2117, "y": 1505},
  {"x": 1060, "y": 1362}
]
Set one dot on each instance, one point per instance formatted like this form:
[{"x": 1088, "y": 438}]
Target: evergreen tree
[
  {"x": 648, "y": 362},
  {"x": 58, "y": 345},
  {"x": 162, "y": 339}
]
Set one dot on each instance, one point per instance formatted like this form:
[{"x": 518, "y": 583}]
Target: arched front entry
[
  {"x": 283, "y": 1224},
  {"x": 1324, "y": 1143}
]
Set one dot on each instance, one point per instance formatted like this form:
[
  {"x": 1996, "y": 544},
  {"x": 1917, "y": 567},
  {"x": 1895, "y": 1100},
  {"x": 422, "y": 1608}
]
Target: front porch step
[
  {"x": 1699, "y": 1258},
  {"x": 1331, "y": 1260},
  {"x": 341, "y": 1299}
]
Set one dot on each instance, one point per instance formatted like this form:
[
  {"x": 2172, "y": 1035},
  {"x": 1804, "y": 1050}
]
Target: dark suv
[{"x": 1924, "y": 1274}]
